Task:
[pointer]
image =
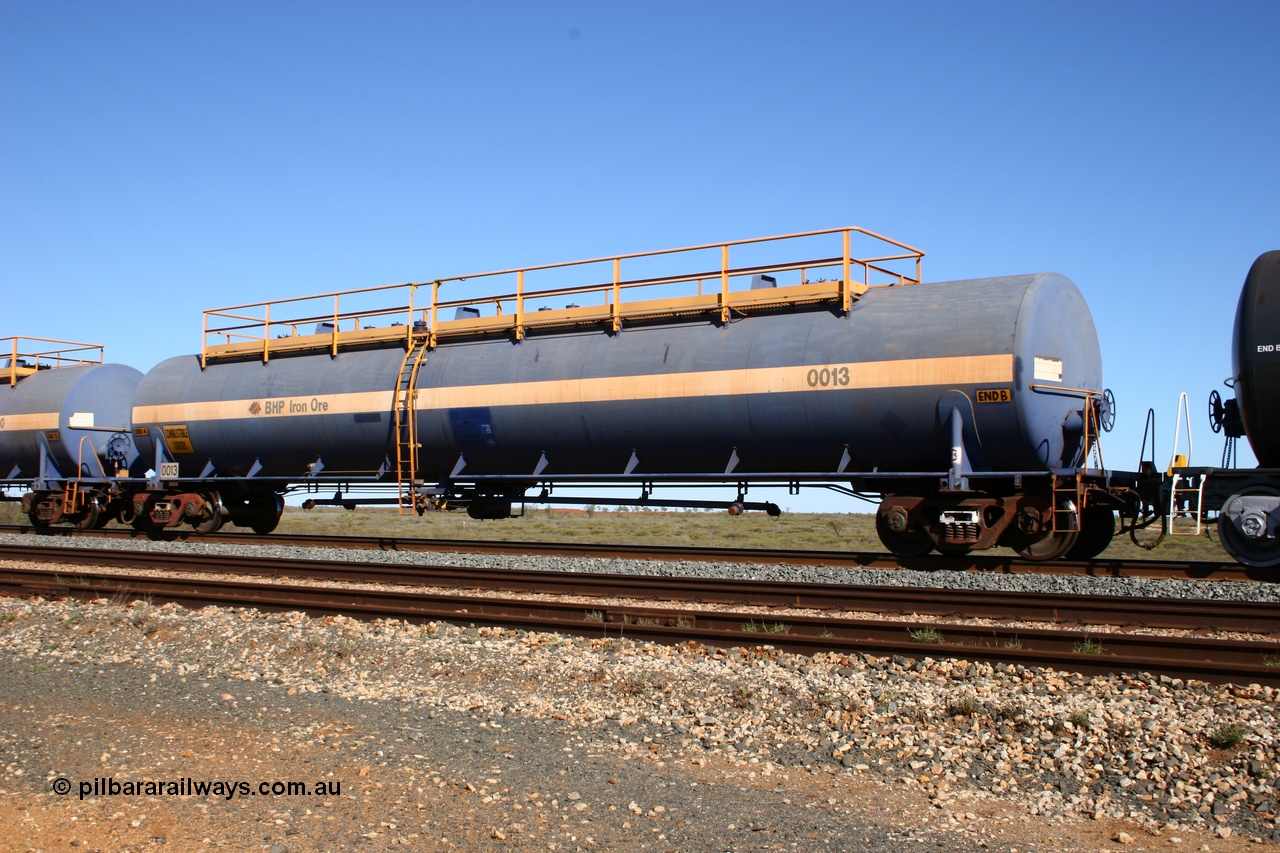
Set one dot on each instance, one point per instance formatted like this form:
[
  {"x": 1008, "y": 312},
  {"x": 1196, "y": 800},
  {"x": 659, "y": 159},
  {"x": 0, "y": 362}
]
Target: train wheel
[
  {"x": 90, "y": 516},
  {"x": 263, "y": 526},
  {"x": 1097, "y": 528},
  {"x": 1260, "y": 553},
  {"x": 212, "y": 522},
  {"x": 1050, "y": 547},
  {"x": 905, "y": 543},
  {"x": 266, "y": 515},
  {"x": 36, "y": 520}
]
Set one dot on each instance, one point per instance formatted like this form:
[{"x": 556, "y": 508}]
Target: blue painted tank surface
[
  {"x": 80, "y": 414},
  {"x": 283, "y": 415},
  {"x": 783, "y": 392}
]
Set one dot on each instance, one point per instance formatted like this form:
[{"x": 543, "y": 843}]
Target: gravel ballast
[{"x": 1083, "y": 585}]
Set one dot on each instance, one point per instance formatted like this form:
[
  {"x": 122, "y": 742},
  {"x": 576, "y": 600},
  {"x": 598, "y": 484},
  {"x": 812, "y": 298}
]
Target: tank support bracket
[
  {"x": 49, "y": 473},
  {"x": 956, "y": 480},
  {"x": 458, "y": 466},
  {"x": 156, "y": 482}
]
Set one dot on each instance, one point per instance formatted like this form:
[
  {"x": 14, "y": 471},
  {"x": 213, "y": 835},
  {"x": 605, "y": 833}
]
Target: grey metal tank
[
  {"x": 787, "y": 391},
  {"x": 276, "y": 419},
  {"x": 80, "y": 415},
  {"x": 781, "y": 392}
]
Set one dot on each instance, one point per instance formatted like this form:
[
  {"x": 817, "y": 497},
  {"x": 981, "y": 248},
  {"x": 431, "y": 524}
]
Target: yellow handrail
[
  {"x": 27, "y": 355},
  {"x": 247, "y": 330}
]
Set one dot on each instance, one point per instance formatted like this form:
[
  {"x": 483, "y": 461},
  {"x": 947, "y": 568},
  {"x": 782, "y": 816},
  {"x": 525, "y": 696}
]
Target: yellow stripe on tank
[
  {"x": 905, "y": 373},
  {"x": 34, "y": 420},
  {"x": 902, "y": 373},
  {"x": 259, "y": 407}
]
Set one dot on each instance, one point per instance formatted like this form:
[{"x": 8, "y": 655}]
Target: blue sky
[{"x": 158, "y": 159}]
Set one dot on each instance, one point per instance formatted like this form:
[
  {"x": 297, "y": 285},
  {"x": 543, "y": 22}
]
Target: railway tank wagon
[
  {"x": 969, "y": 405},
  {"x": 65, "y": 429},
  {"x": 1246, "y": 502}
]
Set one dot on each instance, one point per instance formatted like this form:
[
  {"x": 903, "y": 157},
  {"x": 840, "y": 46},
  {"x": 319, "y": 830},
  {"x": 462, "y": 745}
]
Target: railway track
[
  {"x": 1107, "y": 644},
  {"x": 1118, "y": 611},
  {"x": 1160, "y": 569}
]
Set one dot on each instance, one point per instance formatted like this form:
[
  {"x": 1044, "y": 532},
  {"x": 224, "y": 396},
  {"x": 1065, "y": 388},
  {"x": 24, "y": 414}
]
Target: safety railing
[
  {"x": 229, "y": 332},
  {"x": 838, "y": 266},
  {"x": 22, "y": 356}
]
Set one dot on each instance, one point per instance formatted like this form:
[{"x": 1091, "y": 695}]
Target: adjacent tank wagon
[
  {"x": 65, "y": 419},
  {"x": 1244, "y": 502}
]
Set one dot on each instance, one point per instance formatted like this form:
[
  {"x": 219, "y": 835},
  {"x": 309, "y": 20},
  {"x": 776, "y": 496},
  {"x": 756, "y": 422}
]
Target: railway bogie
[
  {"x": 1040, "y": 522},
  {"x": 206, "y": 510},
  {"x": 82, "y": 508}
]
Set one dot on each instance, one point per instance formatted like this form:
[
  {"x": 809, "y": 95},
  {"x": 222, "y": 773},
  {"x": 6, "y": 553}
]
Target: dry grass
[
  {"x": 814, "y": 531},
  {"x": 706, "y": 529}
]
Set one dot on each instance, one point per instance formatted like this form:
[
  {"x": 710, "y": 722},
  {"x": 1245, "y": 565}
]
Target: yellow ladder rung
[
  {"x": 1185, "y": 520},
  {"x": 406, "y": 437}
]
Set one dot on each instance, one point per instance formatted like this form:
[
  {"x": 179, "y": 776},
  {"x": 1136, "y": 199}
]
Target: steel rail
[
  {"x": 1120, "y": 611},
  {"x": 1157, "y": 569},
  {"x": 1087, "y": 652}
]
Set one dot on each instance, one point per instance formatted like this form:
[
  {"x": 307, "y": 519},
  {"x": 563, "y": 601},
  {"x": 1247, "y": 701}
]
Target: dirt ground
[{"x": 442, "y": 780}]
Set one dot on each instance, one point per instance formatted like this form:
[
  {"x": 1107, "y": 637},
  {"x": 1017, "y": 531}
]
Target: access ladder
[
  {"x": 1186, "y": 494},
  {"x": 406, "y": 422},
  {"x": 1186, "y": 489}
]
